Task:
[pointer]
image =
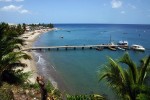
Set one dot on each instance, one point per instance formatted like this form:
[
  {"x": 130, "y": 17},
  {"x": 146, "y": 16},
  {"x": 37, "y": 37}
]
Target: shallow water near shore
[{"x": 75, "y": 71}]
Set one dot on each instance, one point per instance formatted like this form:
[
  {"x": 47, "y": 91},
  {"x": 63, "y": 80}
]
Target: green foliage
[
  {"x": 85, "y": 97},
  {"x": 49, "y": 86},
  {"x": 33, "y": 26},
  {"x": 24, "y": 27},
  {"x": 6, "y": 92},
  {"x": 127, "y": 83},
  {"x": 50, "y": 25},
  {"x": 10, "y": 54},
  {"x": 28, "y": 85},
  {"x": 47, "y": 25},
  {"x": 19, "y": 29},
  {"x": 143, "y": 96},
  {"x": 15, "y": 77},
  {"x": 53, "y": 92}
]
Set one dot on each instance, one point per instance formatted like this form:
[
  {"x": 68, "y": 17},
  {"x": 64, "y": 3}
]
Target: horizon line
[{"x": 81, "y": 23}]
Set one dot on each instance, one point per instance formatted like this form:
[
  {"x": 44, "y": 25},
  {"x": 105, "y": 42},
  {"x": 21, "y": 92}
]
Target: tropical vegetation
[
  {"x": 127, "y": 79},
  {"x": 85, "y": 97},
  {"x": 36, "y": 26},
  {"x": 10, "y": 51}
]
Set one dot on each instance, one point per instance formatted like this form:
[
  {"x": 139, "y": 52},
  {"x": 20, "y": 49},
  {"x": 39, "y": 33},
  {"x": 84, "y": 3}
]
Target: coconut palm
[
  {"x": 10, "y": 53},
  {"x": 24, "y": 27},
  {"x": 127, "y": 83}
]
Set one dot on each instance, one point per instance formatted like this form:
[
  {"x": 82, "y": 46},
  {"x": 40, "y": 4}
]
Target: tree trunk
[
  {"x": 0, "y": 78},
  {"x": 40, "y": 81}
]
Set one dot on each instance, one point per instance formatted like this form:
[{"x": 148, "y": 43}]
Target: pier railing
[{"x": 71, "y": 47}]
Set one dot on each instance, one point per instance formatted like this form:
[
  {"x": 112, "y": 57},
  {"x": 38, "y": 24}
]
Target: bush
[
  {"x": 15, "y": 76},
  {"x": 6, "y": 92}
]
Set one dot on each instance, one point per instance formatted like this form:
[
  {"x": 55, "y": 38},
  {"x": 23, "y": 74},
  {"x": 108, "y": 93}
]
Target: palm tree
[
  {"x": 10, "y": 53},
  {"x": 24, "y": 27},
  {"x": 20, "y": 29},
  {"x": 127, "y": 83}
]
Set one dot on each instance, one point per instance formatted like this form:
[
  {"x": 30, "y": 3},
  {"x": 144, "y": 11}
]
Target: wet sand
[
  {"x": 29, "y": 38},
  {"x": 35, "y": 68}
]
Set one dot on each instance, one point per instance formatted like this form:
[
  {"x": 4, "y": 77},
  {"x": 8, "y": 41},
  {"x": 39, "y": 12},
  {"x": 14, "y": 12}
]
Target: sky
[{"x": 75, "y": 11}]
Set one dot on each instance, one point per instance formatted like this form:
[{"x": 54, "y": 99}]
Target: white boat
[
  {"x": 99, "y": 48},
  {"x": 121, "y": 48},
  {"x": 112, "y": 46},
  {"x": 137, "y": 47},
  {"x": 123, "y": 43}
]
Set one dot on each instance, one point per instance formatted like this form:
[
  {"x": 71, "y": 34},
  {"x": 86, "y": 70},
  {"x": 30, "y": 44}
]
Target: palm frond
[
  {"x": 114, "y": 75},
  {"x": 127, "y": 83},
  {"x": 11, "y": 48},
  {"x": 144, "y": 70},
  {"x": 128, "y": 61},
  {"x": 16, "y": 41},
  {"x": 15, "y": 65},
  {"x": 13, "y": 58}
]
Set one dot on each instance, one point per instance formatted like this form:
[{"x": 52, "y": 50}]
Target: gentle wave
[
  {"x": 53, "y": 67},
  {"x": 44, "y": 70}
]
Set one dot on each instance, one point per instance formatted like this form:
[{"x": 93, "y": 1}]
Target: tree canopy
[
  {"x": 10, "y": 53},
  {"x": 128, "y": 83}
]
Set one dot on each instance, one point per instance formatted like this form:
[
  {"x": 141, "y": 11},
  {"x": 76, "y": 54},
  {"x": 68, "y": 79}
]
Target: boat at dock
[
  {"x": 123, "y": 43},
  {"x": 137, "y": 47},
  {"x": 99, "y": 48},
  {"x": 112, "y": 48},
  {"x": 120, "y": 48}
]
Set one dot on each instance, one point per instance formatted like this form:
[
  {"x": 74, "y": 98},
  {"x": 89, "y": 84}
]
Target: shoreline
[
  {"x": 33, "y": 66},
  {"x": 30, "y": 38}
]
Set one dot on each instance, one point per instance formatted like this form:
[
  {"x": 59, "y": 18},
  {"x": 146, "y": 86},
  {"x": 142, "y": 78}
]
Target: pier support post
[
  {"x": 74, "y": 48},
  {"x": 66, "y": 48},
  {"x": 82, "y": 48},
  {"x": 57, "y": 49},
  {"x": 90, "y": 47}
]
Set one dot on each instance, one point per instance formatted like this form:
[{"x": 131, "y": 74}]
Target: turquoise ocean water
[{"x": 75, "y": 71}]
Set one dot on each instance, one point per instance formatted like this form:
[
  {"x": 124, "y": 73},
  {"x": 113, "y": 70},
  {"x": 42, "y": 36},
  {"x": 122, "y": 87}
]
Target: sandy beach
[{"x": 29, "y": 38}]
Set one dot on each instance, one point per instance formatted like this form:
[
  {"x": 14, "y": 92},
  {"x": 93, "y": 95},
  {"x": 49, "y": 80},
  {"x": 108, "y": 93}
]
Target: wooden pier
[{"x": 71, "y": 47}]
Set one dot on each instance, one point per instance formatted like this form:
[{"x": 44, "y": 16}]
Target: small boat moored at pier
[
  {"x": 121, "y": 48},
  {"x": 99, "y": 48},
  {"x": 137, "y": 47},
  {"x": 112, "y": 48},
  {"x": 123, "y": 43}
]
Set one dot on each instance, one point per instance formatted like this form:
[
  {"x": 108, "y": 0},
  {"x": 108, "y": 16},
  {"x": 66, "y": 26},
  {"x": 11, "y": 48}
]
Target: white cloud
[
  {"x": 11, "y": 0},
  {"x": 23, "y": 11},
  {"x": 5, "y": 0},
  {"x": 19, "y": 0},
  {"x": 13, "y": 8},
  {"x": 116, "y": 3},
  {"x": 132, "y": 6},
  {"x": 123, "y": 12}
]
